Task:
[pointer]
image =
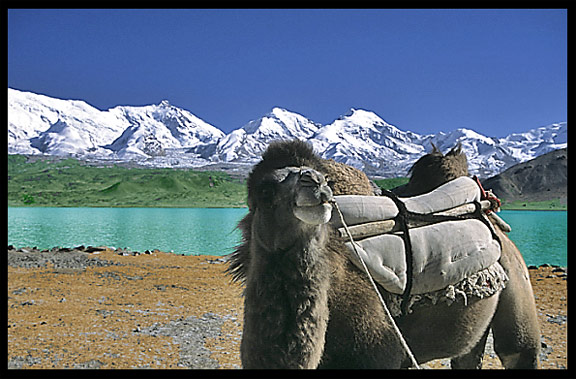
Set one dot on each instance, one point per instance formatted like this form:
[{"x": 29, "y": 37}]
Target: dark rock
[
  {"x": 160, "y": 287},
  {"x": 217, "y": 261},
  {"x": 59, "y": 257},
  {"x": 558, "y": 319},
  {"x": 545, "y": 350},
  {"x": 92, "y": 249}
]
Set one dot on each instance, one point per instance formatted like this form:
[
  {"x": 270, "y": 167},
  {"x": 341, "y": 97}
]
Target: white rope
[{"x": 396, "y": 329}]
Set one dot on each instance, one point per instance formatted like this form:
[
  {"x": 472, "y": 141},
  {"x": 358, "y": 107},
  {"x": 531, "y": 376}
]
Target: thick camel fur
[{"x": 308, "y": 306}]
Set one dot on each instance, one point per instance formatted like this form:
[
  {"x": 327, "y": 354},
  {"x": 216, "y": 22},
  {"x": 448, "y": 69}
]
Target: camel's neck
[{"x": 286, "y": 297}]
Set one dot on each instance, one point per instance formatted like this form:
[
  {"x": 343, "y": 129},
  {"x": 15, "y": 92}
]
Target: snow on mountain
[
  {"x": 154, "y": 128},
  {"x": 364, "y": 140},
  {"x": 488, "y": 156},
  {"x": 485, "y": 154},
  {"x": 41, "y": 124},
  {"x": 163, "y": 135},
  {"x": 536, "y": 142},
  {"x": 247, "y": 143}
]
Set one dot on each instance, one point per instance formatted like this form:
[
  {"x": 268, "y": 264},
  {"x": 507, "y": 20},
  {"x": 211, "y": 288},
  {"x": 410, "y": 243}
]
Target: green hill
[
  {"x": 34, "y": 181},
  {"x": 391, "y": 183}
]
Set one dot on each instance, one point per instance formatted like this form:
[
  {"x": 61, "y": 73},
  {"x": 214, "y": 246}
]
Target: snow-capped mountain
[
  {"x": 154, "y": 128},
  {"x": 164, "y": 135},
  {"x": 364, "y": 140},
  {"x": 488, "y": 156},
  {"x": 247, "y": 143},
  {"x": 536, "y": 142},
  {"x": 39, "y": 124}
]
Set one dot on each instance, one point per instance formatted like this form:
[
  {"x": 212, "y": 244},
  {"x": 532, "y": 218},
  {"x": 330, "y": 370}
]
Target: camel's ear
[
  {"x": 435, "y": 150},
  {"x": 456, "y": 150}
]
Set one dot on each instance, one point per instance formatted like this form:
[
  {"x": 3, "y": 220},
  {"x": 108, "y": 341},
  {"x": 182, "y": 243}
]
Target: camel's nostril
[{"x": 326, "y": 195}]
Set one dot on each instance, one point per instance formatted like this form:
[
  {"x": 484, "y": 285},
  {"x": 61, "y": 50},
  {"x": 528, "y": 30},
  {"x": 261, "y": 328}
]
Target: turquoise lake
[
  {"x": 210, "y": 231},
  {"x": 541, "y": 236}
]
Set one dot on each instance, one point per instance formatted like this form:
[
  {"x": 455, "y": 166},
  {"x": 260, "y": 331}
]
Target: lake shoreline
[
  {"x": 534, "y": 209},
  {"x": 224, "y": 206},
  {"x": 126, "y": 251},
  {"x": 562, "y": 209}
]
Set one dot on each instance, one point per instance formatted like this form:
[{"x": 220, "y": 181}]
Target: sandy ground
[{"x": 119, "y": 309}]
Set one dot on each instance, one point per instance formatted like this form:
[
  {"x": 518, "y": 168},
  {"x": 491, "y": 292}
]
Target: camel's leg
[
  {"x": 359, "y": 334},
  {"x": 473, "y": 359},
  {"x": 447, "y": 331},
  {"x": 515, "y": 325}
]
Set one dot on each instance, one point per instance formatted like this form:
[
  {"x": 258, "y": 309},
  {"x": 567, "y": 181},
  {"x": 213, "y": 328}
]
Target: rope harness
[
  {"x": 373, "y": 283},
  {"x": 406, "y": 219}
]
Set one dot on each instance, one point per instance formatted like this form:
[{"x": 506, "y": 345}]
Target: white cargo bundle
[
  {"x": 443, "y": 253},
  {"x": 363, "y": 209}
]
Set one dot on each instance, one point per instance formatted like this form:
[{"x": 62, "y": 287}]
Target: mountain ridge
[
  {"x": 543, "y": 178},
  {"x": 164, "y": 135}
]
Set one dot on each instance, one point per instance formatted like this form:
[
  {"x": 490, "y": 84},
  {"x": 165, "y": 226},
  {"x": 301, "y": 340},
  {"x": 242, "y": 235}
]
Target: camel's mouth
[
  {"x": 312, "y": 203},
  {"x": 314, "y": 214}
]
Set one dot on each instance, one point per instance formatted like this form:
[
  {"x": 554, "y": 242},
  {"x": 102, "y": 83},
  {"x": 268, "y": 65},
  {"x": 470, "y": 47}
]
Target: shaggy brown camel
[{"x": 308, "y": 306}]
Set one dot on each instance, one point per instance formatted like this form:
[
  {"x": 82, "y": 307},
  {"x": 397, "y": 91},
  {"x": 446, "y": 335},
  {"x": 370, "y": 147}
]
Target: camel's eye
[
  {"x": 266, "y": 192},
  {"x": 279, "y": 176}
]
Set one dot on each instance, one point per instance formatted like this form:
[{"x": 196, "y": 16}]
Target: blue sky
[{"x": 493, "y": 71}]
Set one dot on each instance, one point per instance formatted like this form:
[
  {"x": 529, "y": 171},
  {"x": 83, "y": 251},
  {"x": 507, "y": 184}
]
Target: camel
[{"x": 308, "y": 306}]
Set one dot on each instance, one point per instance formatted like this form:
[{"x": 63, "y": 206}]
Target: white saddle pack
[{"x": 443, "y": 253}]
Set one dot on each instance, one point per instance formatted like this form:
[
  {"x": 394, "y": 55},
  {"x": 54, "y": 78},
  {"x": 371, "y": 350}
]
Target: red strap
[{"x": 487, "y": 195}]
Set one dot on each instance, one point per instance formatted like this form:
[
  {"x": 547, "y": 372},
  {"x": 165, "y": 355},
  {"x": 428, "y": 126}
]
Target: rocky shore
[{"x": 98, "y": 307}]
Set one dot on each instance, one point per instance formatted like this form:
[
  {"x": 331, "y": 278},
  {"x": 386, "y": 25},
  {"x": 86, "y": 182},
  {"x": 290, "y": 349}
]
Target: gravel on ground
[{"x": 98, "y": 307}]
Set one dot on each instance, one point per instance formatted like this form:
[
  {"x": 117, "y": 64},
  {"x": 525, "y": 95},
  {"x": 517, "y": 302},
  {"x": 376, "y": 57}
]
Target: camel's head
[
  {"x": 287, "y": 204},
  {"x": 289, "y": 200},
  {"x": 434, "y": 169},
  {"x": 303, "y": 190},
  {"x": 286, "y": 187}
]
